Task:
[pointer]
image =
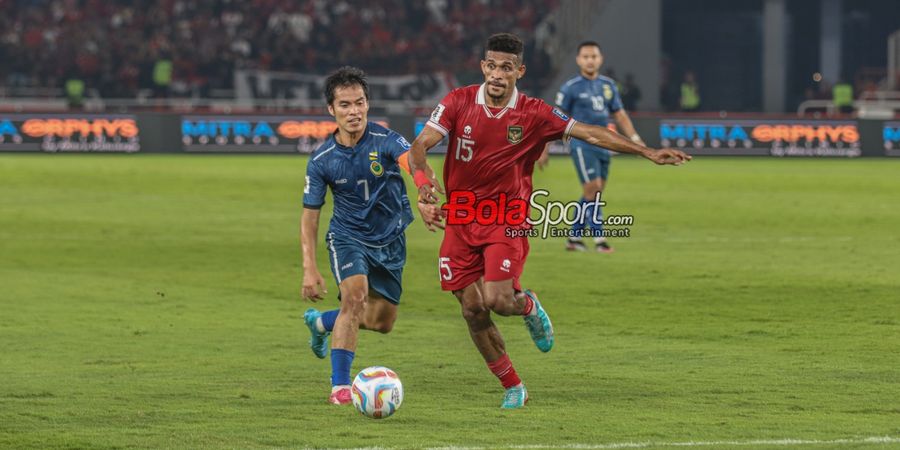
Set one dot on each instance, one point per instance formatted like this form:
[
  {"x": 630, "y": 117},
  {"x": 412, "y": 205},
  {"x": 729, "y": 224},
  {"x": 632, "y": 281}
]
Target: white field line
[{"x": 875, "y": 440}]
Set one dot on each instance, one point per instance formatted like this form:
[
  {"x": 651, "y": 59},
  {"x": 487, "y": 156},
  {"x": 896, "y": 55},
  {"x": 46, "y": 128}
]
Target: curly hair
[{"x": 506, "y": 43}]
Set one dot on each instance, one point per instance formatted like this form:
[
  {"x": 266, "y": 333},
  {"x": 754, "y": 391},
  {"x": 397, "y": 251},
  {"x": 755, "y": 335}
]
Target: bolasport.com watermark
[{"x": 538, "y": 216}]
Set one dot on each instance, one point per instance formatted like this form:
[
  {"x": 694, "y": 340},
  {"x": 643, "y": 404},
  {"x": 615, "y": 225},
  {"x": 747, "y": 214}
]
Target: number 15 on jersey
[{"x": 464, "y": 148}]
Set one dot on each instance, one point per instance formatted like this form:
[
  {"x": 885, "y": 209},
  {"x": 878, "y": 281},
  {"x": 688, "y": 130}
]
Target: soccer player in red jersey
[{"x": 496, "y": 134}]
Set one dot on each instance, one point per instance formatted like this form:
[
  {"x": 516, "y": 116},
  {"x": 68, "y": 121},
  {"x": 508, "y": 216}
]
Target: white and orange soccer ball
[{"x": 377, "y": 392}]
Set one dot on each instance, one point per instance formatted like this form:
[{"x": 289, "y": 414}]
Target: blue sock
[
  {"x": 594, "y": 218},
  {"x": 328, "y": 319},
  {"x": 579, "y": 225},
  {"x": 341, "y": 360}
]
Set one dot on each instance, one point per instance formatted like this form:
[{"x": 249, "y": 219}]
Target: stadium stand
[{"x": 124, "y": 49}]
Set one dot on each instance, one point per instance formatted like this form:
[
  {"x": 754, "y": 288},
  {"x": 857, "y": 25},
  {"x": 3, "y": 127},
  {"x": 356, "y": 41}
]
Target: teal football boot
[
  {"x": 538, "y": 324},
  {"x": 515, "y": 397},
  {"x": 318, "y": 342}
]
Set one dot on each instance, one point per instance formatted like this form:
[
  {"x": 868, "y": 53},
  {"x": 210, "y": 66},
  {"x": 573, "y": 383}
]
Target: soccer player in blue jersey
[
  {"x": 592, "y": 98},
  {"x": 361, "y": 163}
]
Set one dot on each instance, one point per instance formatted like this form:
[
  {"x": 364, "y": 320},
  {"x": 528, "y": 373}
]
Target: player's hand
[
  {"x": 543, "y": 161},
  {"x": 428, "y": 190},
  {"x": 313, "y": 285},
  {"x": 432, "y": 216},
  {"x": 668, "y": 156}
]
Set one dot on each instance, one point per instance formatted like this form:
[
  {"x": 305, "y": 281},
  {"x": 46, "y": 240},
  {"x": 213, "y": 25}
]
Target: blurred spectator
[
  {"x": 75, "y": 92},
  {"x": 842, "y": 96},
  {"x": 668, "y": 88},
  {"x": 162, "y": 77},
  {"x": 188, "y": 47},
  {"x": 630, "y": 92},
  {"x": 611, "y": 74},
  {"x": 690, "y": 93}
]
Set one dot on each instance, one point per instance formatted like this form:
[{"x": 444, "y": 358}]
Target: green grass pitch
[{"x": 152, "y": 301}]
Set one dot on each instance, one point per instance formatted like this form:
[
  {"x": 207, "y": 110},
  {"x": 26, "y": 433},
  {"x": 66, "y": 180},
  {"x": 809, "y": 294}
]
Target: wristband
[
  {"x": 421, "y": 179},
  {"x": 636, "y": 138}
]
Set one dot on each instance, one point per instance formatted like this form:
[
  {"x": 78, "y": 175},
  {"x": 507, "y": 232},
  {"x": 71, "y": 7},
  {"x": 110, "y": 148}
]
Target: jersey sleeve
[
  {"x": 615, "y": 104},
  {"x": 554, "y": 124},
  {"x": 315, "y": 186},
  {"x": 444, "y": 115},
  {"x": 397, "y": 145},
  {"x": 398, "y": 148},
  {"x": 564, "y": 98}
]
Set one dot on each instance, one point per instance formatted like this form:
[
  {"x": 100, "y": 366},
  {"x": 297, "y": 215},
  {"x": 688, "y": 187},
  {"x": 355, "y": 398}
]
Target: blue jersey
[
  {"x": 370, "y": 202},
  {"x": 589, "y": 101}
]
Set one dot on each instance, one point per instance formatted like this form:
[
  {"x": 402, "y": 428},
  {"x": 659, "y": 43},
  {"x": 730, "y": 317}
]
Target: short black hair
[
  {"x": 588, "y": 44},
  {"x": 345, "y": 77},
  {"x": 506, "y": 43}
]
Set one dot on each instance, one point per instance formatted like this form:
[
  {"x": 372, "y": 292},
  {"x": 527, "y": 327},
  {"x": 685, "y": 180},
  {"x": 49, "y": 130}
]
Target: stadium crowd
[{"x": 118, "y": 48}]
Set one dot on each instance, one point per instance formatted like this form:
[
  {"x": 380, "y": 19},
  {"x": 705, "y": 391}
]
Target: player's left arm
[
  {"x": 564, "y": 99},
  {"x": 617, "y": 107},
  {"x": 623, "y": 121},
  {"x": 603, "y": 137}
]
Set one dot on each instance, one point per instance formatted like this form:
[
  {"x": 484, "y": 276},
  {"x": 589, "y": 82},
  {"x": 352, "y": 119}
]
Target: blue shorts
[
  {"x": 383, "y": 266},
  {"x": 590, "y": 162}
]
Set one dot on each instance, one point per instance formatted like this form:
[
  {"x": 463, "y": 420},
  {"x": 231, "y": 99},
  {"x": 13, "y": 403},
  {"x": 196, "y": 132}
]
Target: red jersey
[
  {"x": 491, "y": 154},
  {"x": 492, "y": 151}
]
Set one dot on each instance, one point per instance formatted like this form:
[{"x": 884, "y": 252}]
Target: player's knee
[
  {"x": 473, "y": 308},
  {"x": 474, "y": 312},
  {"x": 354, "y": 303},
  {"x": 493, "y": 300},
  {"x": 383, "y": 326},
  {"x": 593, "y": 188}
]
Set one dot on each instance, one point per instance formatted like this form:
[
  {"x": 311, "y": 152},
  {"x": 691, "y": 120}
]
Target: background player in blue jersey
[
  {"x": 592, "y": 98},
  {"x": 361, "y": 163}
]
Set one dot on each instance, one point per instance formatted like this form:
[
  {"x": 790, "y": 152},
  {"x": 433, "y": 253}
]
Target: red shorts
[{"x": 469, "y": 252}]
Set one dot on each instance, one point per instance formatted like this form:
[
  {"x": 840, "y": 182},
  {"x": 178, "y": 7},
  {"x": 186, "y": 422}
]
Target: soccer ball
[{"x": 377, "y": 392}]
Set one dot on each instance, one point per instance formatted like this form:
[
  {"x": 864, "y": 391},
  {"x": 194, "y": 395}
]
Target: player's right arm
[
  {"x": 313, "y": 199},
  {"x": 436, "y": 129},
  {"x": 423, "y": 175},
  {"x": 603, "y": 137},
  {"x": 313, "y": 283}
]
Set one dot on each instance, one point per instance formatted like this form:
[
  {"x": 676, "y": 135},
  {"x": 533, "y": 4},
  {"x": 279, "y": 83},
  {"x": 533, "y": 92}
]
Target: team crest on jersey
[
  {"x": 607, "y": 92},
  {"x": 514, "y": 134},
  {"x": 376, "y": 169}
]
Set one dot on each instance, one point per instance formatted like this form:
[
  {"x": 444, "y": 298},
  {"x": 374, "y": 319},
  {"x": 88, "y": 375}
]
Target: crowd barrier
[{"x": 196, "y": 133}]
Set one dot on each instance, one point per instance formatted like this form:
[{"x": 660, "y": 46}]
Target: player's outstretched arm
[
  {"x": 423, "y": 175},
  {"x": 313, "y": 283},
  {"x": 602, "y": 137}
]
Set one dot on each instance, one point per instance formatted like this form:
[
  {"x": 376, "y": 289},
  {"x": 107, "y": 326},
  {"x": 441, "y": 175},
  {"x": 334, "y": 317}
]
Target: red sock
[
  {"x": 504, "y": 370},
  {"x": 529, "y": 305}
]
